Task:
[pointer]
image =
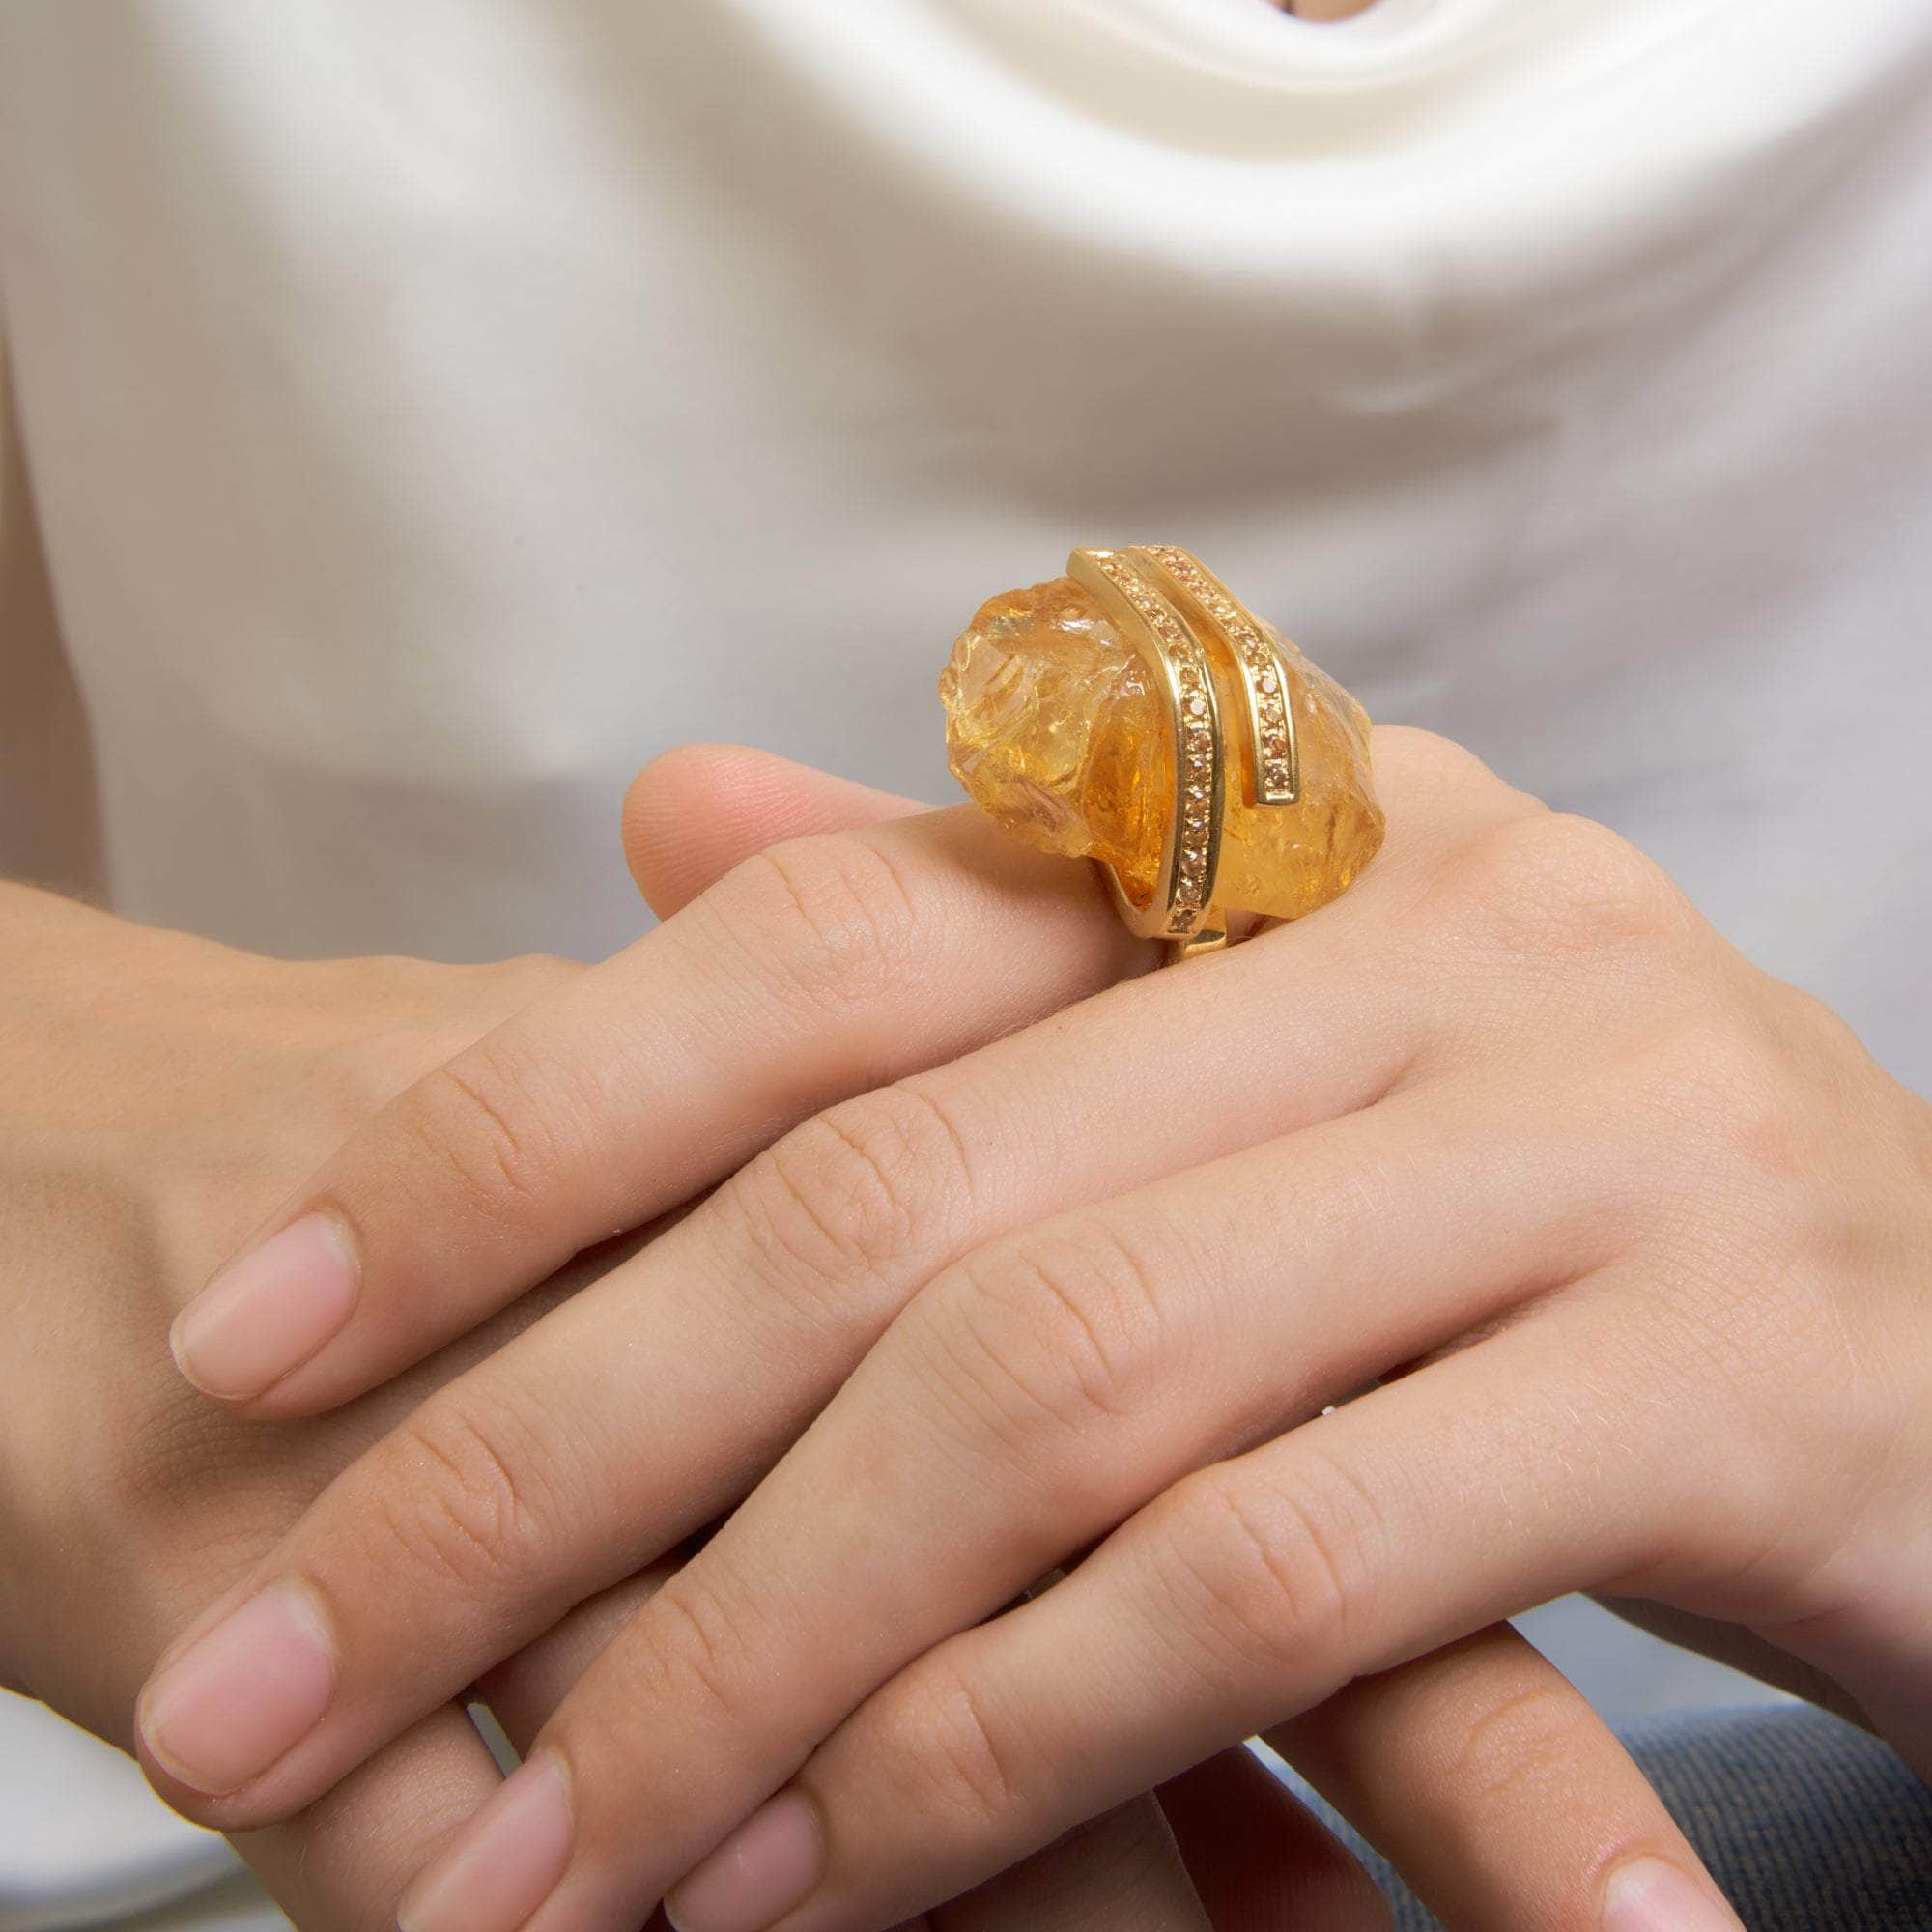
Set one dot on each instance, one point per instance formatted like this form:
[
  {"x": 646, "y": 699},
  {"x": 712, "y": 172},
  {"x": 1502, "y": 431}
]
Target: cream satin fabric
[{"x": 434, "y": 407}]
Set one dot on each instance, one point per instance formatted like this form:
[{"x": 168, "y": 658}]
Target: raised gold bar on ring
[
  {"x": 1274, "y": 763},
  {"x": 1181, "y": 909}
]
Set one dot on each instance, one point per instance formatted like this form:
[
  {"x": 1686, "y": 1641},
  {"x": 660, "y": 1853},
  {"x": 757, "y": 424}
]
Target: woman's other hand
[{"x": 158, "y": 1096}]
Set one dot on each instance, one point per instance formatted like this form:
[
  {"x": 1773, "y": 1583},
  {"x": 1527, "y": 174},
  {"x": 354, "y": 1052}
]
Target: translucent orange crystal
[{"x": 1056, "y": 727}]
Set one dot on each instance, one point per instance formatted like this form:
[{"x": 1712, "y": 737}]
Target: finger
[
  {"x": 695, "y": 813},
  {"x": 1228, "y": 1847},
  {"x": 454, "y": 1544},
  {"x": 1260, "y": 1861},
  {"x": 1509, "y": 1472},
  {"x": 1031, "y": 1399},
  {"x": 1487, "y": 1780},
  {"x": 1233, "y": 1851},
  {"x": 813, "y": 970},
  {"x": 525, "y": 1689},
  {"x": 342, "y": 1865},
  {"x": 833, "y": 964}
]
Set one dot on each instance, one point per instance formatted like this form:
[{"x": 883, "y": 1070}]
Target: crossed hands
[{"x": 1078, "y": 1371}]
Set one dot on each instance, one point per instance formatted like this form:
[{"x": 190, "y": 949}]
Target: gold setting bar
[
  {"x": 1190, "y": 856},
  {"x": 1274, "y": 754}
]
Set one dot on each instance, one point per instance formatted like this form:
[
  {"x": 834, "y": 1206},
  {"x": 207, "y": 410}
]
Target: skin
[
  {"x": 1635, "y": 1239},
  {"x": 142, "y": 1139},
  {"x": 165, "y": 1096}
]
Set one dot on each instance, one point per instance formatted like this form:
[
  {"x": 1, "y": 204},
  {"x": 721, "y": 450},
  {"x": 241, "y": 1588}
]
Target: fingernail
[
  {"x": 1650, "y": 1895},
  {"x": 769, "y": 1865},
  {"x": 233, "y": 1703},
  {"x": 268, "y": 1312},
  {"x": 503, "y": 1863}
]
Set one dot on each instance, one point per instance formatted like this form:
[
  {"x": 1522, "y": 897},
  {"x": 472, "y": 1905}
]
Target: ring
[{"x": 1090, "y": 716}]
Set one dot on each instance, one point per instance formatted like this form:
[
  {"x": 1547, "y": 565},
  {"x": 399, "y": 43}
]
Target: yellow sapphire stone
[{"x": 1058, "y": 727}]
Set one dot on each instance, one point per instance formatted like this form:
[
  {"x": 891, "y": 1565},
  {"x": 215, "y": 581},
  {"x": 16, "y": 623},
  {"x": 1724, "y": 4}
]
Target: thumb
[{"x": 691, "y": 814}]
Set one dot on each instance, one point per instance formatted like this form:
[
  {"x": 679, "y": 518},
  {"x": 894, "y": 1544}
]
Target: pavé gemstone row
[
  {"x": 1277, "y": 773},
  {"x": 1198, "y": 746}
]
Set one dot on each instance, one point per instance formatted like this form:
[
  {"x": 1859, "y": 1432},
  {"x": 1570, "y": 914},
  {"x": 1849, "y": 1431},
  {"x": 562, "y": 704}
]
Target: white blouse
[{"x": 434, "y": 407}]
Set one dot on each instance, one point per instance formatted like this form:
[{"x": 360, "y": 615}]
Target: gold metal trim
[
  {"x": 1275, "y": 751},
  {"x": 1182, "y": 909}
]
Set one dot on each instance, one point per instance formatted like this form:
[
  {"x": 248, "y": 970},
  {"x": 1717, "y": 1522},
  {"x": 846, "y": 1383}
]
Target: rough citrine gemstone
[{"x": 1056, "y": 727}]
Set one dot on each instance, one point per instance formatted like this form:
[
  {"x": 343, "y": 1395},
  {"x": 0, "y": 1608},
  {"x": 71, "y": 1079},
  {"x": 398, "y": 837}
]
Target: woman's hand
[
  {"x": 1635, "y": 1238},
  {"x": 157, "y": 1095}
]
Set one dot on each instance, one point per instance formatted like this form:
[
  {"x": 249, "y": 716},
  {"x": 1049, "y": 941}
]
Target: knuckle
[
  {"x": 852, "y": 1198},
  {"x": 1060, "y": 1333},
  {"x": 828, "y": 919},
  {"x": 480, "y": 1117},
  {"x": 699, "y": 1643},
  {"x": 1527, "y": 1739},
  {"x": 1427, "y": 760},
  {"x": 1741, "y": 1071},
  {"x": 960, "y": 1773},
  {"x": 1808, "y": 1026},
  {"x": 1719, "y": 1087},
  {"x": 1551, "y": 883},
  {"x": 1768, "y": 1239},
  {"x": 460, "y": 1498},
  {"x": 1274, "y": 1575}
]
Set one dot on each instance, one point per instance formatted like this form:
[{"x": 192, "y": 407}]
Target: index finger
[{"x": 828, "y": 965}]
